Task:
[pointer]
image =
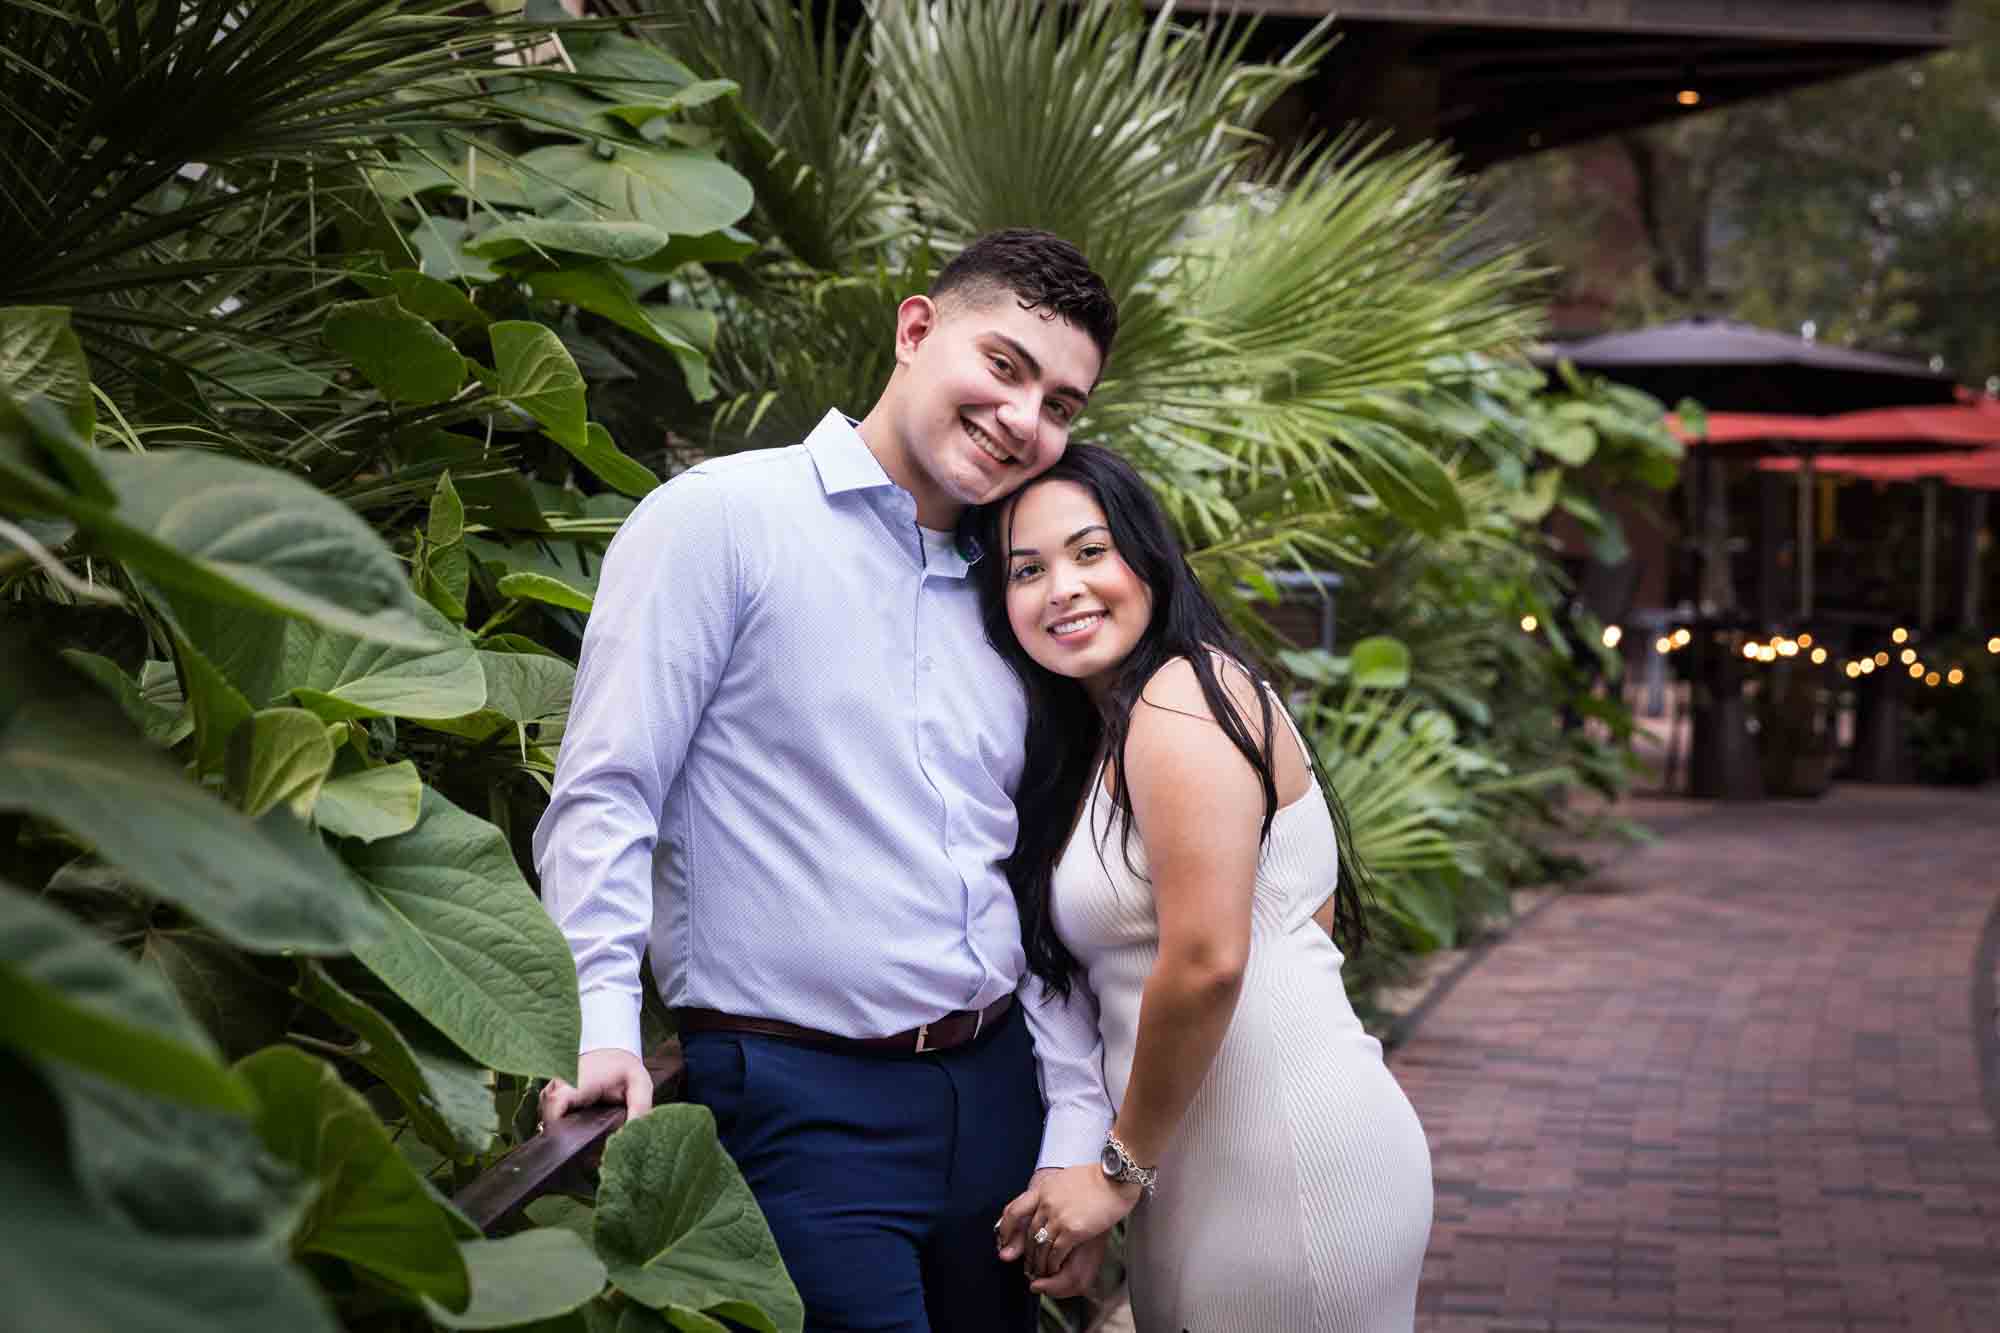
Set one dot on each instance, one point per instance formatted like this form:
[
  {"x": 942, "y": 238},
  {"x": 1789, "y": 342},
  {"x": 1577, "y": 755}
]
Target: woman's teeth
[{"x": 1062, "y": 627}]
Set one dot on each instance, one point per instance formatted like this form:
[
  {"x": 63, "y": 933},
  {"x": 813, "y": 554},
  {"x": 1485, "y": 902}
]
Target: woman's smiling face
[{"x": 1074, "y": 604}]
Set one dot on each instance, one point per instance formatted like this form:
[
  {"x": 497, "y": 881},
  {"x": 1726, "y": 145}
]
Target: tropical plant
[
  {"x": 282, "y": 612},
  {"x": 1317, "y": 365}
]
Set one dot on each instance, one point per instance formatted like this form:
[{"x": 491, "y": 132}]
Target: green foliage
[
  {"x": 254, "y": 678},
  {"x": 705, "y": 1249}
]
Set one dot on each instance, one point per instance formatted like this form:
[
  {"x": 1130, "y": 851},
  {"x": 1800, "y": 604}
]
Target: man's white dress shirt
[{"x": 790, "y": 765}]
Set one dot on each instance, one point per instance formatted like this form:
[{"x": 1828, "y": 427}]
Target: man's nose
[{"x": 1018, "y": 415}]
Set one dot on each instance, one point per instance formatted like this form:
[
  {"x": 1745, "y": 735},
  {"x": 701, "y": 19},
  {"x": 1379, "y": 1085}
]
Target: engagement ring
[{"x": 1042, "y": 1236}]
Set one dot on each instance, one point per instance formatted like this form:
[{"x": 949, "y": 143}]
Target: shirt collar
[{"x": 844, "y": 461}]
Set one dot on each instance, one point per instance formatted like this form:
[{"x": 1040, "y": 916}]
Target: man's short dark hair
[{"x": 1043, "y": 271}]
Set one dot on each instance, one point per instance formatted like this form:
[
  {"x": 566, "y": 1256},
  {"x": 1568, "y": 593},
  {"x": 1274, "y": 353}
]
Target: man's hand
[{"x": 607, "y": 1074}]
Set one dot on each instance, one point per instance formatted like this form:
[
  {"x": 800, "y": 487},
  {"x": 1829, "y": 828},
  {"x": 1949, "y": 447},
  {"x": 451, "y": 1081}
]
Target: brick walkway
[{"x": 1735, "y": 1082}]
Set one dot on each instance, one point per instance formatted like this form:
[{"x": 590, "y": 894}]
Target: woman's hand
[{"x": 1074, "y": 1205}]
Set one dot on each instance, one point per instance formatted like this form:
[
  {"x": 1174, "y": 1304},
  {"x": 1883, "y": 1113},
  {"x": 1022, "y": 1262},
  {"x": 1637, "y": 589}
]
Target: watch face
[{"x": 1109, "y": 1159}]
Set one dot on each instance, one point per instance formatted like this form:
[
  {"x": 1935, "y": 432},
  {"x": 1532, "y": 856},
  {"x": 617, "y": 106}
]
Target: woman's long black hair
[{"x": 1066, "y": 731}]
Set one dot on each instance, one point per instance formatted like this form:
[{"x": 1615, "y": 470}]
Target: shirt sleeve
[
  {"x": 1069, "y": 1061},
  {"x": 654, "y": 649}
]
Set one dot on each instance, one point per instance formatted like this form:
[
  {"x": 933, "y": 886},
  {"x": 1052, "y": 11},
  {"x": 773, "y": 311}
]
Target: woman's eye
[
  {"x": 1000, "y": 365},
  {"x": 1089, "y": 552},
  {"x": 1023, "y": 572}
]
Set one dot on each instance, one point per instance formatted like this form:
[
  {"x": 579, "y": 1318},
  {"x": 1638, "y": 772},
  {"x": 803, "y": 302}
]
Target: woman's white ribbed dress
[{"x": 1296, "y": 1195}]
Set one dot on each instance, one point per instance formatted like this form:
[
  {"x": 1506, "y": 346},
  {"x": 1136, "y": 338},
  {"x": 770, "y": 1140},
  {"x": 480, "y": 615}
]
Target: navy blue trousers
[{"x": 882, "y": 1176}]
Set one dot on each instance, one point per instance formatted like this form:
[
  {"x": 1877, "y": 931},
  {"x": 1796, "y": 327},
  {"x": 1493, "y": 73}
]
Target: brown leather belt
[{"x": 954, "y": 1029}]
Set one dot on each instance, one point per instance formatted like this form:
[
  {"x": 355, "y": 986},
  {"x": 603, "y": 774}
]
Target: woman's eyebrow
[{"x": 1070, "y": 540}]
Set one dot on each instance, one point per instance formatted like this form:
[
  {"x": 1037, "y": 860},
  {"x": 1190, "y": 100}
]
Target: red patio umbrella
[{"x": 1971, "y": 424}]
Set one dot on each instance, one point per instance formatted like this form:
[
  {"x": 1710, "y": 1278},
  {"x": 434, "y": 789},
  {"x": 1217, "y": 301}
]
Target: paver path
[{"x": 1737, "y": 1087}]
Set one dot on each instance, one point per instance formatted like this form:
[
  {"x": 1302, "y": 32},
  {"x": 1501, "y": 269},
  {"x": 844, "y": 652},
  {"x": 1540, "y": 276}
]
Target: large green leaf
[
  {"x": 537, "y": 375},
  {"x": 336, "y": 675},
  {"x": 613, "y": 466},
  {"x": 678, "y": 1229},
  {"x": 544, "y": 588},
  {"x": 267, "y": 884},
  {"x": 40, "y": 355},
  {"x": 372, "y": 802},
  {"x": 424, "y": 296},
  {"x": 65, "y": 1264},
  {"x": 398, "y": 353},
  {"x": 445, "y": 572},
  {"x": 164, "y": 724},
  {"x": 371, "y": 1209},
  {"x": 450, "y": 1102},
  {"x": 532, "y": 1275},
  {"x": 279, "y": 756},
  {"x": 224, "y": 989},
  {"x": 469, "y": 946},
  {"x": 621, "y": 242},
  {"x": 682, "y": 191},
  {"x": 441, "y": 249},
  {"x": 603, "y": 290},
  {"x": 66, "y": 995},
  {"x": 1380, "y": 663},
  {"x": 254, "y": 537}
]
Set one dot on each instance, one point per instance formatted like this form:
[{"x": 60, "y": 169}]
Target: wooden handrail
[{"x": 563, "y": 1157}]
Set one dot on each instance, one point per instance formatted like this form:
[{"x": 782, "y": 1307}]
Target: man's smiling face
[{"x": 990, "y": 394}]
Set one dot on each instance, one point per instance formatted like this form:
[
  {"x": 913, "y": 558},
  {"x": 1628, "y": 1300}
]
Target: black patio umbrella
[{"x": 1731, "y": 367}]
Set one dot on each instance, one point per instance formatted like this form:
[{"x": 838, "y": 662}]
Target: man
[{"x": 789, "y": 769}]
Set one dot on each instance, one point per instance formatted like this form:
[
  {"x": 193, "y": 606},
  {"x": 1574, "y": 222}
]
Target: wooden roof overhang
[{"x": 1505, "y": 78}]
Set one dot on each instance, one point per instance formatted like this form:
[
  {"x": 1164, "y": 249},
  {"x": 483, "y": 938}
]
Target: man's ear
[{"x": 916, "y": 319}]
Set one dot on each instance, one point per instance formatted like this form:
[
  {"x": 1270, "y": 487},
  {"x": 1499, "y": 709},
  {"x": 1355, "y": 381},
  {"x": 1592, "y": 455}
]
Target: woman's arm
[{"x": 1199, "y": 810}]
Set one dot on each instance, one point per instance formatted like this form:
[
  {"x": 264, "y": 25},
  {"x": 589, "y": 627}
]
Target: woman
[{"x": 1173, "y": 869}]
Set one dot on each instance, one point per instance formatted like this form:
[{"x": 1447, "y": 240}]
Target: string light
[
  {"x": 1932, "y": 678},
  {"x": 1993, "y": 644},
  {"x": 1867, "y": 666},
  {"x": 1528, "y": 623},
  {"x": 1612, "y": 635},
  {"x": 1663, "y": 645},
  {"x": 1881, "y": 659},
  {"x": 1786, "y": 648},
  {"x": 1853, "y": 670},
  {"x": 1956, "y": 676},
  {"x": 1753, "y": 651},
  {"x": 1899, "y": 635},
  {"x": 1916, "y": 671},
  {"x": 1682, "y": 637},
  {"x": 1818, "y": 654},
  {"x": 1907, "y": 656},
  {"x": 1805, "y": 641}
]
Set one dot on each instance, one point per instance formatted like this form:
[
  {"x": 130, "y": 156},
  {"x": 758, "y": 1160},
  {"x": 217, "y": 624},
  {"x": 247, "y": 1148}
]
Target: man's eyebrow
[
  {"x": 1035, "y": 369},
  {"x": 1070, "y": 540}
]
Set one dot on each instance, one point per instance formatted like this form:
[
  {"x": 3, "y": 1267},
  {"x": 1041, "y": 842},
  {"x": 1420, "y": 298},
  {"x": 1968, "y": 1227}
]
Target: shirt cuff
[
  {"x": 1072, "y": 1136},
  {"x": 610, "y": 1019}
]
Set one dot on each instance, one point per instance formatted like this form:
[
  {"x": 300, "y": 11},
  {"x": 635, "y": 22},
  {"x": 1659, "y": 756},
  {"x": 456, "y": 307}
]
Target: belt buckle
[{"x": 923, "y": 1031}]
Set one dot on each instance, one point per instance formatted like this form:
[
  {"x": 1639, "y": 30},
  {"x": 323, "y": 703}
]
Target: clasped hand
[{"x": 1077, "y": 1206}]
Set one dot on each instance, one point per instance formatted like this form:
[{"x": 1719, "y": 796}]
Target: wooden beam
[{"x": 1919, "y": 24}]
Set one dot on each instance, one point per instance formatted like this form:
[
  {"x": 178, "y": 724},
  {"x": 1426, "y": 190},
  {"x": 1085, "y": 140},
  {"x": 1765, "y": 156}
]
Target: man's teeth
[
  {"x": 992, "y": 450},
  {"x": 1071, "y": 626}
]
